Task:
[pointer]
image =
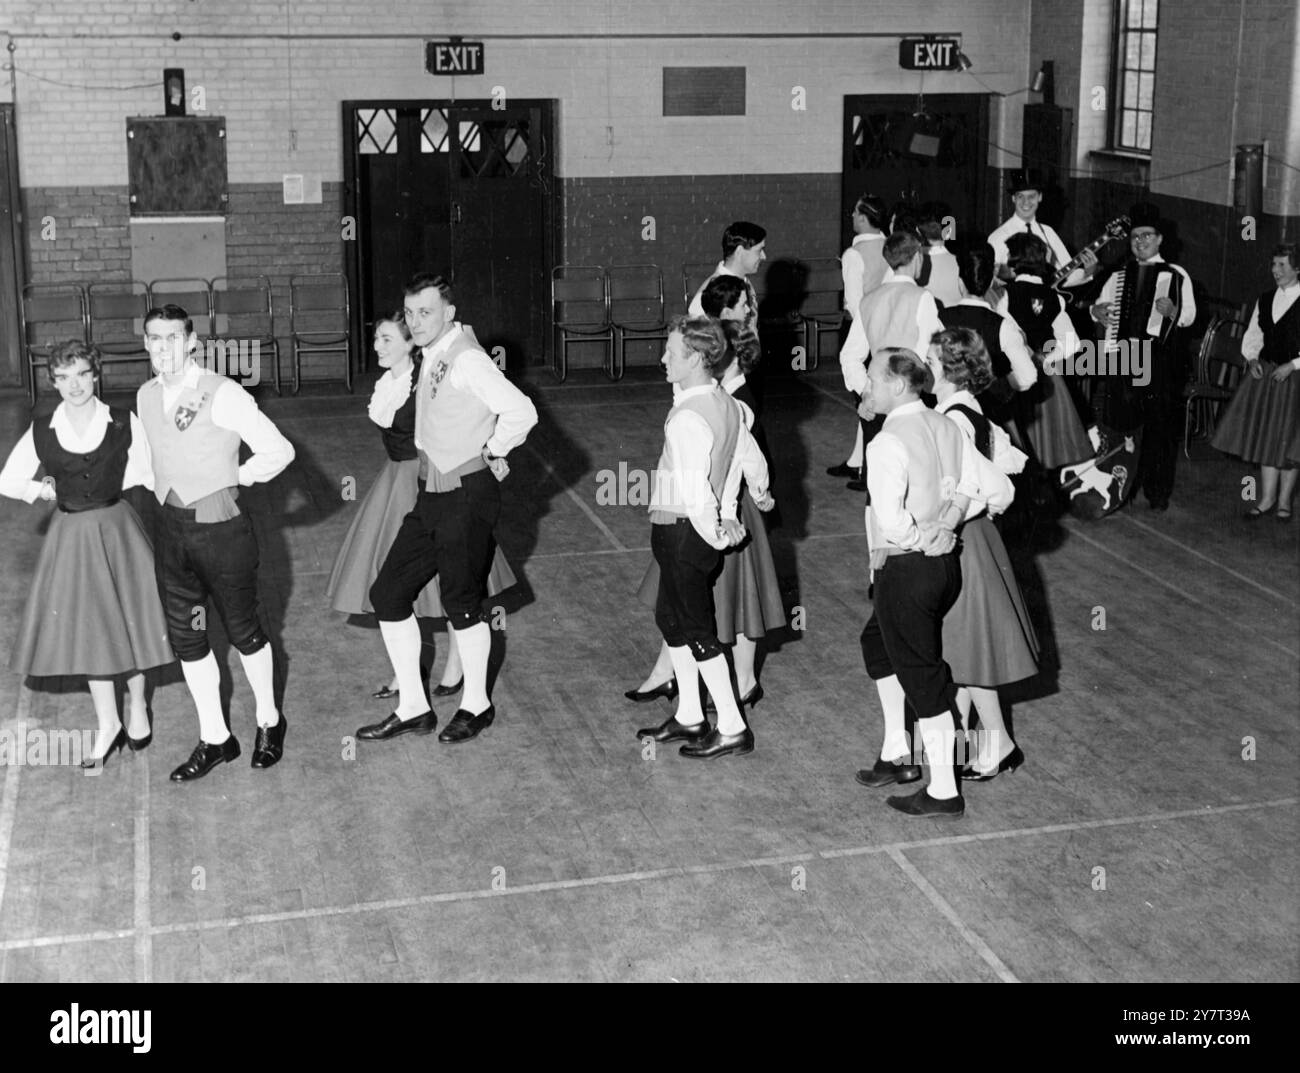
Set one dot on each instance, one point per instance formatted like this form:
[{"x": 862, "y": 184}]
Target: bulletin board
[{"x": 177, "y": 166}]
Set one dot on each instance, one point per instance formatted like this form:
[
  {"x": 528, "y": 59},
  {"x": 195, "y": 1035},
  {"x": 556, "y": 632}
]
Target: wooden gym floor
[{"x": 1150, "y": 836}]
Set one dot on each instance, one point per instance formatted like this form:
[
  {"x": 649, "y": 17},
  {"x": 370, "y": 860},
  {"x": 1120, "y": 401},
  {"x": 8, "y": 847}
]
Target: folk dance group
[
  {"x": 104, "y": 603},
  {"x": 949, "y": 624}
]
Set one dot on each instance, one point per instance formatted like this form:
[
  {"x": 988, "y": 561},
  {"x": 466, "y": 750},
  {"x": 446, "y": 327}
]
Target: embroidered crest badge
[
  {"x": 436, "y": 378},
  {"x": 187, "y": 412},
  {"x": 1036, "y": 304}
]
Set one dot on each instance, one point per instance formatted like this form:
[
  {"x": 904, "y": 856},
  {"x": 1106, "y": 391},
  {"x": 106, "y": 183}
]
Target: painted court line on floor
[
  {"x": 1208, "y": 559},
  {"x": 582, "y": 506},
  {"x": 675, "y": 872},
  {"x": 141, "y": 914},
  {"x": 9, "y": 795},
  {"x": 945, "y": 910},
  {"x": 1215, "y": 612}
]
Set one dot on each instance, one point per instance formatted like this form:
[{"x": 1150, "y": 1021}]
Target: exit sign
[
  {"x": 928, "y": 53},
  {"x": 453, "y": 57}
]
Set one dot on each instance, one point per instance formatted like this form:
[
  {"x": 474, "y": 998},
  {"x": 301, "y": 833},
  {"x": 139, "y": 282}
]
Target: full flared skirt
[
  {"x": 1050, "y": 422},
  {"x": 390, "y": 499},
  {"x": 1259, "y": 424},
  {"x": 93, "y": 607},
  {"x": 988, "y": 638}
]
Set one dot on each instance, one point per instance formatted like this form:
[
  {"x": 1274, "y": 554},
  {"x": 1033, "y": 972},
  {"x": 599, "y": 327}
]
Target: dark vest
[
  {"x": 89, "y": 481},
  {"x": 1036, "y": 323},
  {"x": 1281, "y": 340},
  {"x": 399, "y": 437},
  {"x": 745, "y": 394},
  {"x": 987, "y": 324}
]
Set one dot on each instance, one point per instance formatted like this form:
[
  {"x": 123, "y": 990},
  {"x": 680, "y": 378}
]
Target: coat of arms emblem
[
  {"x": 1036, "y": 304},
  {"x": 187, "y": 412}
]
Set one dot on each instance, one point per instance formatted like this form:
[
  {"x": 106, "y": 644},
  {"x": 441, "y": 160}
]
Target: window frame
[{"x": 1120, "y": 33}]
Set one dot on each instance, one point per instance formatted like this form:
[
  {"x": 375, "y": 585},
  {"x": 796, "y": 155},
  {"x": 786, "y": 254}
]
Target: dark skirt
[
  {"x": 93, "y": 607},
  {"x": 746, "y": 592},
  {"x": 1050, "y": 422},
  {"x": 390, "y": 499},
  {"x": 988, "y": 638},
  {"x": 1259, "y": 424}
]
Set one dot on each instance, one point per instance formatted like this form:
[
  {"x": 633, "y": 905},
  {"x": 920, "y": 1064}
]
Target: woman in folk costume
[
  {"x": 93, "y": 607},
  {"x": 1260, "y": 424},
  {"x": 988, "y": 638},
  {"x": 707, "y": 452},
  {"x": 1048, "y": 417},
  {"x": 747, "y": 593},
  {"x": 391, "y": 498}
]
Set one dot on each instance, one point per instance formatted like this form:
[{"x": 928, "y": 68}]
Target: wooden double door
[{"x": 465, "y": 189}]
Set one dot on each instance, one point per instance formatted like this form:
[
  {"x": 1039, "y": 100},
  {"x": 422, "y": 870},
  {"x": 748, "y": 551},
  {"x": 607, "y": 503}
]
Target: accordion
[{"x": 1133, "y": 314}]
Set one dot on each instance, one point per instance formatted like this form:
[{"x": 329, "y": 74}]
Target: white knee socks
[
  {"x": 893, "y": 705},
  {"x": 475, "y": 645},
  {"x": 689, "y": 713},
  {"x": 402, "y": 639},
  {"x": 939, "y": 736},
  {"x": 855, "y": 458},
  {"x": 204, "y": 680},
  {"x": 261, "y": 679},
  {"x": 717, "y": 677}
]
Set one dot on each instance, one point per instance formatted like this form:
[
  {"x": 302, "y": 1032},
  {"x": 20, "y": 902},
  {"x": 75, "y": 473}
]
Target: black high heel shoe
[
  {"x": 138, "y": 744},
  {"x": 668, "y": 691},
  {"x": 748, "y": 700},
  {"x": 384, "y": 692},
  {"x": 1008, "y": 764},
  {"x": 446, "y": 691},
  {"x": 90, "y": 763}
]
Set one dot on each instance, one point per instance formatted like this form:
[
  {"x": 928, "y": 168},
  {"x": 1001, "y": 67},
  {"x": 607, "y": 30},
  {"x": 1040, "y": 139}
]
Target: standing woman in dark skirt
[
  {"x": 1047, "y": 415},
  {"x": 93, "y": 607},
  {"x": 988, "y": 637},
  {"x": 746, "y": 593},
  {"x": 1260, "y": 424},
  {"x": 391, "y": 497}
]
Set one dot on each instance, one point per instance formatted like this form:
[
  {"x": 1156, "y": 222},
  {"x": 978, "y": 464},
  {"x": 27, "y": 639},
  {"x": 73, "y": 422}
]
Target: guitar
[{"x": 1117, "y": 228}]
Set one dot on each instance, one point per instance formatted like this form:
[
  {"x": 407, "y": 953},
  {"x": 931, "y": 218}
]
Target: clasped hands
[{"x": 499, "y": 467}]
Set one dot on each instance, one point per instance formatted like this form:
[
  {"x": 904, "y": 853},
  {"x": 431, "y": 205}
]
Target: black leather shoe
[
  {"x": 714, "y": 745},
  {"x": 1009, "y": 764},
  {"x": 922, "y": 804},
  {"x": 889, "y": 773},
  {"x": 857, "y": 485},
  {"x": 842, "y": 470},
  {"x": 384, "y": 692},
  {"x": 464, "y": 726},
  {"x": 447, "y": 691},
  {"x": 395, "y": 725},
  {"x": 675, "y": 731},
  {"x": 668, "y": 691},
  {"x": 92, "y": 762},
  {"x": 205, "y": 757},
  {"x": 139, "y": 744},
  {"x": 269, "y": 746}
]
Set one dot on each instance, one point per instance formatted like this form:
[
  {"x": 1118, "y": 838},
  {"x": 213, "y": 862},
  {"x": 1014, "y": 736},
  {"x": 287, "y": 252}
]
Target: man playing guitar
[{"x": 1026, "y": 190}]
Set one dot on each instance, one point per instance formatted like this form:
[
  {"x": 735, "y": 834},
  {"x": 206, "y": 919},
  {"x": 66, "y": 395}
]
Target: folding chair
[
  {"x": 117, "y": 323},
  {"x": 636, "y": 309},
  {"x": 694, "y": 276},
  {"x": 320, "y": 320},
  {"x": 244, "y": 309},
  {"x": 580, "y": 313},
  {"x": 823, "y": 306},
  {"x": 1219, "y": 366},
  {"x": 52, "y": 313}
]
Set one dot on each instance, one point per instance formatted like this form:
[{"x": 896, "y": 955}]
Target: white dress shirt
[
  {"x": 887, "y": 518},
  {"x": 1016, "y": 226},
  {"x": 475, "y": 373},
  {"x": 1252, "y": 343},
  {"x": 863, "y": 268},
  {"x": 1012, "y": 341},
  {"x": 857, "y": 347},
  {"x": 1187, "y": 308},
  {"x": 1006, "y": 456},
  {"x": 689, "y": 439},
  {"x": 16, "y": 477},
  {"x": 234, "y": 409}
]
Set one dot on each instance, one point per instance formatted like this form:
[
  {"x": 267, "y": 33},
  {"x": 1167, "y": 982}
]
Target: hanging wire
[{"x": 78, "y": 85}]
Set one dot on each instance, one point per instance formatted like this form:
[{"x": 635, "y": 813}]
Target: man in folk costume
[
  {"x": 1026, "y": 190},
  {"x": 898, "y": 313},
  {"x": 468, "y": 416},
  {"x": 194, "y": 422},
  {"x": 744, "y": 249},
  {"x": 1140, "y": 375},
  {"x": 921, "y": 478}
]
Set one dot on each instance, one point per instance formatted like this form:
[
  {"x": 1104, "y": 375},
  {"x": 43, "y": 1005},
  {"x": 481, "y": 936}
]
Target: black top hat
[
  {"x": 1145, "y": 214},
  {"x": 1024, "y": 179}
]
